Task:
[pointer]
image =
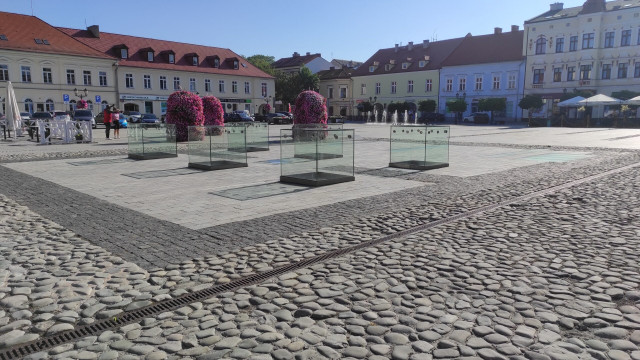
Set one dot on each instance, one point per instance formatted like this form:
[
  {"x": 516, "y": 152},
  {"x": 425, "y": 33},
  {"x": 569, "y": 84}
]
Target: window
[
  {"x": 410, "y": 86},
  {"x": 264, "y": 89},
  {"x": 625, "y": 39},
  {"x": 538, "y": 76},
  {"x": 405, "y": 66},
  {"x": 329, "y": 92},
  {"x": 636, "y": 71},
  {"x": 557, "y": 74},
  {"x": 343, "y": 93},
  {"x": 606, "y": 71},
  {"x": 363, "y": 89},
  {"x": 378, "y": 88},
  {"x": 192, "y": 84},
  {"x": 571, "y": 73},
  {"x": 176, "y": 83},
  {"x": 638, "y": 37},
  {"x": 216, "y": 63},
  {"x": 102, "y": 78},
  {"x": 172, "y": 58},
  {"x": 147, "y": 81},
  {"x": 588, "y": 40},
  {"x": 124, "y": 53},
  {"x": 163, "y": 83},
  {"x": 149, "y": 55},
  {"x": 512, "y": 81},
  {"x": 48, "y": 105},
  {"x": 247, "y": 87},
  {"x": 128, "y": 79},
  {"x": 585, "y": 72},
  {"x": 26, "y": 73},
  {"x": 609, "y": 38},
  {"x": 28, "y": 105},
  {"x": 559, "y": 45},
  {"x": 194, "y": 60},
  {"x": 372, "y": 68},
  {"x": 71, "y": 77},
  {"x": 234, "y": 87},
  {"x": 573, "y": 43},
  {"x": 496, "y": 82},
  {"x": 4, "y": 73},
  {"x": 478, "y": 82},
  {"x": 86, "y": 77},
  {"x": 47, "y": 78},
  {"x": 221, "y": 86},
  {"x": 622, "y": 70},
  {"x": 428, "y": 85},
  {"x": 207, "y": 85},
  {"x": 394, "y": 87},
  {"x": 541, "y": 45},
  {"x": 462, "y": 84},
  {"x": 421, "y": 63},
  {"x": 235, "y": 64},
  {"x": 449, "y": 85}
]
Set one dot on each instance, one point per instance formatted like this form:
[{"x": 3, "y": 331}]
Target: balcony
[{"x": 585, "y": 82}]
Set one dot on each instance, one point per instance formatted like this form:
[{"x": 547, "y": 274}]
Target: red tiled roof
[
  {"x": 22, "y": 30},
  {"x": 344, "y": 73},
  {"x": 297, "y": 60},
  {"x": 137, "y": 57},
  {"x": 436, "y": 52},
  {"x": 484, "y": 49}
]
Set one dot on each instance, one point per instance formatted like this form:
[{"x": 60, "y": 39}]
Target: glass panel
[
  {"x": 217, "y": 147},
  {"x": 419, "y": 147},
  {"x": 317, "y": 155},
  {"x": 257, "y": 135},
  {"x": 149, "y": 141}
]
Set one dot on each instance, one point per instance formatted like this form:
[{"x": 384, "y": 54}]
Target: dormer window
[
  {"x": 372, "y": 68},
  {"x": 124, "y": 53},
  {"x": 150, "y": 56},
  {"x": 422, "y": 63},
  {"x": 388, "y": 67},
  {"x": 405, "y": 66},
  {"x": 216, "y": 62},
  {"x": 172, "y": 58},
  {"x": 194, "y": 60},
  {"x": 235, "y": 64}
]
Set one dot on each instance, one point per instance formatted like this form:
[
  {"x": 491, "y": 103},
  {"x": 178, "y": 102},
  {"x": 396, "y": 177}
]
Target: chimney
[
  {"x": 425, "y": 44},
  {"x": 396, "y": 47},
  {"x": 497, "y": 30},
  {"x": 593, "y": 6},
  {"x": 515, "y": 28},
  {"x": 308, "y": 53},
  {"x": 295, "y": 54},
  {"x": 94, "y": 30},
  {"x": 410, "y": 46},
  {"x": 556, "y": 6}
]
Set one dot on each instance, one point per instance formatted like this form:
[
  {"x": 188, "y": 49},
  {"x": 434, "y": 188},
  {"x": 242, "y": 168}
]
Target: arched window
[
  {"x": 28, "y": 106},
  {"x": 541, "y": 45},
  {"x": 48, "y": 105}
]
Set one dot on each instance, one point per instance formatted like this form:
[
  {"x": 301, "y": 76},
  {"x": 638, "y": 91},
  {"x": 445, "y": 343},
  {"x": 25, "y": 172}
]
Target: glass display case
[
  {"x": 316, "y": 156},
  {"x": 217, "y": 147},
  {"x": 419, "y": 147},
  {"x": 152, "y": 141},
  {"x": 257, "y": 135}
]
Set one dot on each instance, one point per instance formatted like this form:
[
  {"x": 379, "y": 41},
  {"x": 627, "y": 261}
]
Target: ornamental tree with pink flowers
[
  {"x": 311, "y": 108},
  {"x": 212, "y": 110},
  {"x": 184, "y": 109},
  {"x": 82, "y": 104}
]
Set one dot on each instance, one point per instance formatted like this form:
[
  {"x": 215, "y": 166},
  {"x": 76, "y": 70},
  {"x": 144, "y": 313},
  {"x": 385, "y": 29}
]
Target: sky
[{"x": 337, "y": 29}]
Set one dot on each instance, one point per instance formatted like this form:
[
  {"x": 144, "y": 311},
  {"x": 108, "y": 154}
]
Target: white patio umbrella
[
  {"x": 574, "y": 101},
  {"x": 600, "y": 99},
  {"x": 633, "y": 101},
  {"x": 14, "y": 121}
]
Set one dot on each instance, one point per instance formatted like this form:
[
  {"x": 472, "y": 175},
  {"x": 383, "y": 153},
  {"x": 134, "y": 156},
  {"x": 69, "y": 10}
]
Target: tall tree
[
  {"x": 263, "y": 62},
  {"x": 427, "y": 105},
  {"x": 492, "y": 104},
  {"x": 289, "y": 85},
  {"x": 530, "y": 103},
  {"x": 457, "y": 106}
]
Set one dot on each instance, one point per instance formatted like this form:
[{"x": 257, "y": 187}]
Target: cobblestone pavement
[{"x": 556, "y": 277}]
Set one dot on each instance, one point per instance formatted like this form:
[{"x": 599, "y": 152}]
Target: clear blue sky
[{"x": 342, "y": 29}]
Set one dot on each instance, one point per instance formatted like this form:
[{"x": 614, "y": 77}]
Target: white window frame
[
  {"x": 449, "y": 85},
  {"x": 343, "y": 92},
  {"x": 47, "y": 76},
  {"x": 207, "y": 85},
  {"x": 512, "y": 81},
  {"x": 71, "y": 77},
  {"x": 462, "y": 84},
  {"x": 394, "y": 87},
  {"x": 329, "y": 92},
  {"x": 25, "y": 72},
  {"x": 128, "y": 81},
  {"x": 428, "y": 85},
  {"x": 221, "y": 86},
  {"x": 264, "y": 89},
  {"x": 163, "y": 82},
  {"x": 176, "y": 83},
  {"x": 410, "y": 86},
  {"x": 147, "y": 81},
  {"x": 4, "y": 72},
  {"x": 363, "y": 89},
  {"x": 247, "y": 87},
  {"x": 102, "y": 78},
  {"x": 478, "y": 84},
  {"x": 86, "y": 77},
  {"x": 378, "y": 88},
  {"x": 192, "y": 84},
  {"x": 234, "y": 86},
  {"x": 496, "y": 82}
]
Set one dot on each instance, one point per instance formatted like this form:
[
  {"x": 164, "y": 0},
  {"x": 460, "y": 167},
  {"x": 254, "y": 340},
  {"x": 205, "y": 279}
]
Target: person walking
[
  {"x": 107, "y": 120},
  {"x": 115, "y": 120}
]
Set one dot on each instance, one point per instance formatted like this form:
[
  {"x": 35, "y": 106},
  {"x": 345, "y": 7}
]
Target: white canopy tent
[
  {"x": 14, "y": 121},
  {"x": 571, "y": 102},
  {"x": 633, "y": 101},
  {"x": 600, "y": 99}
]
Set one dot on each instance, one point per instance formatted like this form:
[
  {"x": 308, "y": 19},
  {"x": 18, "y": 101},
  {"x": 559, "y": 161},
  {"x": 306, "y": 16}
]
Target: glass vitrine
[
  {"x": 152, "y": 141},
  {"x": 419, "y": 147},
  {"x": 217, "y": 147}
]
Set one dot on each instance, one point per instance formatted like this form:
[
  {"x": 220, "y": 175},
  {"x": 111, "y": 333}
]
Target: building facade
[
  {"x": 486, "y": 66},
  {"x": 336, "y": 86},
  {"x": 45, "y": 66},
  {"x": 293, "y": 64},
  {"x": 594, "y": 48}
]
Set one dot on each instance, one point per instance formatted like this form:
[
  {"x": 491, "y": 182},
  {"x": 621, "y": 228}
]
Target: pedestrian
[
  {"x": 115, "y": 120},
  {"x": 107, "y": 120}
]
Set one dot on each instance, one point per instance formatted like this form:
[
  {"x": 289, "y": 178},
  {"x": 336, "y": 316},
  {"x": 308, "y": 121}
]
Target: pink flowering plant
[
  {"x": 82, "y": 104},
  {"x": 311, "y": 108},
  {"x": 213, "y": 111},
  {"x": 267, "y": 108},
  {"x": 184, "y": 109}
]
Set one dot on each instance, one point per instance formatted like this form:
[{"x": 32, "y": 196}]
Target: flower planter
[
  {"x": 316, "y": 156},
  {"x": 217, "y": 147},
  {"x": 419, "y": 147},
  {"x": 152, "y": 141}
]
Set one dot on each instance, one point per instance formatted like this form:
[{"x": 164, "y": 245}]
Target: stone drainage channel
[{"x": 197, "y": 296}]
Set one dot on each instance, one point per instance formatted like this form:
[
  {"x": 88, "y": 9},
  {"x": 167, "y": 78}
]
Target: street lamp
[{"x": 81, "y": 93}]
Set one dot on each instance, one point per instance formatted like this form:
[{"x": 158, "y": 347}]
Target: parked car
[
  {"x": 287, "y": 114},
  {"x": 237, "y": 117},
  {"x": 25, "y": 116},
  {"x": 477, "y": 118},
  {"x": 84, "y": 115},
  {"x": 277, "y": 118},
  {"x": 149, "y": 119},
  {"x": 431, "y": 117},
  {"x": 41, "y": 115},
  {"x": 133, "y": 116},
  {"x": 61, "y": 115}
]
